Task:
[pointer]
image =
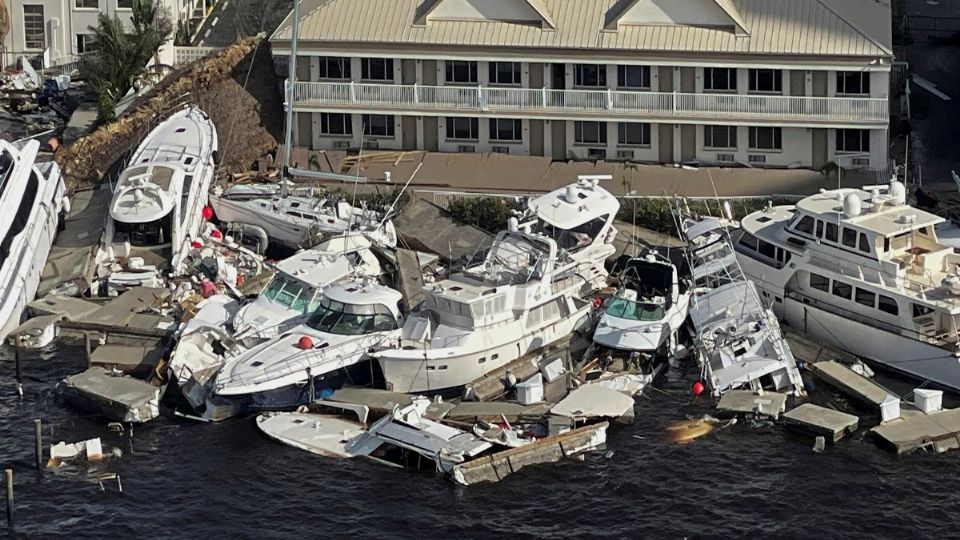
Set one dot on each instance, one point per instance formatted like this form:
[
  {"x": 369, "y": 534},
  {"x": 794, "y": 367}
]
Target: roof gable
[
  {"x": 511, "y": 11},
  {"x": 692, "y": 13}
]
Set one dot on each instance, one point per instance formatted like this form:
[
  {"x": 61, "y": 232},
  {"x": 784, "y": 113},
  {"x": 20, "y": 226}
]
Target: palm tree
[
  {"x": 121, "y": 57},
  {"x": 4, "y": 21}
]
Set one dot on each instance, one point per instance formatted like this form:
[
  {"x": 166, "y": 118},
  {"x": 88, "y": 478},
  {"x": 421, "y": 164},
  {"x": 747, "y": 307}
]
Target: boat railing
[{"x": 332, "y": 357}]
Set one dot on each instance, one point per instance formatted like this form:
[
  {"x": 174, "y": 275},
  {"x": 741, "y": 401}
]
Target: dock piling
[
  {"x": 38, "y": 442},
  {"x": 88, "y": 348},
  {"x": 9, "y": 481},
  {"x": 16, "y": 359},
  {"x": 312, "y": 388}
]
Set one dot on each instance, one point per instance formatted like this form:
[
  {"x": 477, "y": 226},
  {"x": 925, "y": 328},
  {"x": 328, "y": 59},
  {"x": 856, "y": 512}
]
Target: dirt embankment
[{"x": 237, "y": 87}]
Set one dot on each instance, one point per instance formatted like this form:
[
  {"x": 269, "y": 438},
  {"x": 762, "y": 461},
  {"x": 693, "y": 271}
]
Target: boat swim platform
[
  {"x": 854, "y": 385},
  {"x": 71, "y": 256},
  {"x": 821, "y": 421},
  {"x": 748, "y": 402},
  {"x": 939, "y": 431}
]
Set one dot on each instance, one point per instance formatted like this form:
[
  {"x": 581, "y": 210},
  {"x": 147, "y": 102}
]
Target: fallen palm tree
[{"x": 235, "y": 86}]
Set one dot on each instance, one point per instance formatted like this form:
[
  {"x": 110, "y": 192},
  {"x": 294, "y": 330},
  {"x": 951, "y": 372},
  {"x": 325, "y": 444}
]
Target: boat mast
[{"x": 291, "y": 80}]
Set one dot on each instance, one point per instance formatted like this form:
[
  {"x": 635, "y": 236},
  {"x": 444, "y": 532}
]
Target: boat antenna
[
  {"x": 291, "y": 81},
  {"x": 389, "y": 210}
]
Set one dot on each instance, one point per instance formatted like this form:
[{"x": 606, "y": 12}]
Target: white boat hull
[
  {"x": 903, "y": 354},
  {"x": 288, "y": 232},
  {"x": 436, "y": 370}
]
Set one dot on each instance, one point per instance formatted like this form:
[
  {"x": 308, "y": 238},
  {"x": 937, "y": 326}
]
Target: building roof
[{"x": 754, "y": 27}]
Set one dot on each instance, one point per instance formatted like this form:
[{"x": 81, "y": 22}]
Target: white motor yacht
[
  {"x": 527, "y": 294},
  {"x": 647, "y": 311},
  {"x": 32, "y": 199},
  {"x": 862, "y": 271},
  {"x": 156, "y": 210},
  {"x": 330, "y": 350}
]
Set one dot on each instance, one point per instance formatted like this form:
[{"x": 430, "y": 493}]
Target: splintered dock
[
  {"x": 939, "y": 431},
  {"x": 738, "y": 402},
  {"x": 852, "y": 384},
  {"x": 817, "y": 420}
]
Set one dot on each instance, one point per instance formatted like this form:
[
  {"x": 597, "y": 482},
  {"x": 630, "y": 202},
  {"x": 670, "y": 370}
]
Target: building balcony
[{"x": 596, "y": 105}]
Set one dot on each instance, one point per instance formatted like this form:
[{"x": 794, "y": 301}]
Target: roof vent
[{"x": 898, "y": 192}]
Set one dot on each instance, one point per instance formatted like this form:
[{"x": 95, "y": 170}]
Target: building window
[
  {"x": 853, "y": 140},
  {"x": 86, "y": 43},
  {"x": 466, "y": 129},
  {"x": 766, "y": 138},
  {"x": 378, "y": 125},
  {"x": 33, "y": 34},
  {"x": 590, "y": 132},
  {"x": 461, "y": 72},
  {"x": 853, "y": 83},
  {"x": 720, "y": 79},
  {"x": 335, "y": 124},
  {"x": 506, "y": 129},
  {"x": 334, "y": 67},
  {"x": 634, "y": 77},
  {"x": 590, "y": 75},
  {"x": 124, "y": 4},
  {"x": 766, "y": 80},
  {"x": 720, "y": 136},
  {"x": 505, "y": 73},
  {"x": 87, "y": 4},
  {"x": 633, "y": 134},
  {"x": 376, "y": 69}
]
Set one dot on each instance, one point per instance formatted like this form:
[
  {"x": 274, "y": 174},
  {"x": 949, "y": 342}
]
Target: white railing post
[
  {"x": 416, "y": 96},
  {"x": 543, "y": 97},
  {"x": 674, "y": 100},
  {"x": 353, "y": 93},
  {"x": 481, "y": 102},
  {"x": 609, "y": 99}
]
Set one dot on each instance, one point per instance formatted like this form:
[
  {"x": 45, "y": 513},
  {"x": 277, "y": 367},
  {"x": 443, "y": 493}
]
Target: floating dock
[
  {"x": 856, "y": 386},
  {"x": 120, "y": 399},
  {"x": 939, "y": 431},
  {"x": 816, "y": 420},
  {"x": 738, "y": 402}
]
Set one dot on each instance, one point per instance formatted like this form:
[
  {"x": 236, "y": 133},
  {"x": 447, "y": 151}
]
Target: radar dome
[
  {"x": 851, "y": 205},
  {"x": 898, "y": 192}
]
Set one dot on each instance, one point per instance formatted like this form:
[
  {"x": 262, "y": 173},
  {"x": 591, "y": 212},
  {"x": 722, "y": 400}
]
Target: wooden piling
[
  {"x": 38, "y": 442},
  {"x": 87, "y": 347},
  {"x": 9, "y": 475},
  {"x": 312, "y": 388},
  {"x": 16, "y": 358}
]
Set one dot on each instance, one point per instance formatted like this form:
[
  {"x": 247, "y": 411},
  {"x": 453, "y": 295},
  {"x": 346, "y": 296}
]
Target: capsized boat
[
  {"x": 298, "y": 221},
  {"x": 330, "y": 350},
  {"x": 33, "y": 204},
  {"x": 156, "y": 209},
  {"x": 648, "y": 310},
  {"x": 527, "y": 294}
]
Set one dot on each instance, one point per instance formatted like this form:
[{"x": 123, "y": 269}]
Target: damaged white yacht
[
  {"x": 156, "y": 210},
  {"x": 864, "y": 272},
  {"x": 527, "y": 294},
  {"x": 32, "y": 198}
]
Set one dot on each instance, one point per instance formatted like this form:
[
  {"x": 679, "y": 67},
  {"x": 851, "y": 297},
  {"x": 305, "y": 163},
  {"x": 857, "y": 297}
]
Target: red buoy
[
  {"x": 207, "y": 213},
  {"x": 196, "y": 245},
  {"x": 597, "y": 302},
  {"x": 697, "y": 388},
  {"x": 216, "y": 234},
  {"x": 305, "y": 343}
]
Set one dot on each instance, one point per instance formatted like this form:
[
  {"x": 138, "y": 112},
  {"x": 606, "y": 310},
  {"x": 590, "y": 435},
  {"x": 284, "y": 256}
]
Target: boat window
[
  {"x": 351, "y": 319},
  {"x": 768, "y": 250},
  {"x": 748, "y": 241},
  {"x": 783, "y": 256},
  {"x": 864, "y": 244},
  {"x": 805, "y": 225},
  {"x": 623, "y": 308},
  {"x": 289, "y": 292},
  {"x": 819, "y": 282},
  {"x": 886, "y": 245},
  {"x": 888, "y": 305},
  {"x": 482, "y": 360},
  {"x": 921, "y": 310},
  {"x": 21, "y": 217},
  {"x": 575, "y": 239},
  {"x": 831, "y": 232},
  {"x": 151, "y": 233},
  {"x": 923, "y": 231},
  {"x": 384, "y": 323},
  {"x": 819, "y": 229},
  {"x": 843, "y": 290},
  {"x": 865, "y": 297},
  {"x": 849, "y": 237}
]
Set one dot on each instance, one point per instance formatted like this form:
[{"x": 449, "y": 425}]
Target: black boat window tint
[
  {"x": 805, "y": 225},
  {"x": 819, "y": 229},
  {"x": 831, "y": 232},
  {"x": 864, "y": 243},
  {"x": 22, "y": 216},
  {"x": 849, "y": 237},
  {"x": 843, "y": 290},
  {"x": 768, "y": 250},
  {"x": 819, "y": 282},
  {"x": 888, "y": 305},
  {"x": 865, "y": 297}
]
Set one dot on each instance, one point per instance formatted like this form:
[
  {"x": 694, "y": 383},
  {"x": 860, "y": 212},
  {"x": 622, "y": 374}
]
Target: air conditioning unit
[
  {"x": 625, "y": 154},
  {"x": 501, "y": 149},
  {"x": 371, "y": 145},
  {"x": 860, "y": 162},
  {"x": 757, "y": 158},
  {"x": 466, "y": 148},
  {"x": 597, "y": 153},
  {"x": 339, "y": 145},
  {"x": 727, "y": 158}
]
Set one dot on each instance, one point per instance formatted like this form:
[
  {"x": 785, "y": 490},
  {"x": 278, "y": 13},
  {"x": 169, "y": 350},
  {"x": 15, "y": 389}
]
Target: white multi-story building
[{"x": 794, "y": 83}]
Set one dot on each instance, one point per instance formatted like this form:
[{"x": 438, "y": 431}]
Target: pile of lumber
[
  {"x": 236, "y": 86},
  {"x": 393, "y": 158}
]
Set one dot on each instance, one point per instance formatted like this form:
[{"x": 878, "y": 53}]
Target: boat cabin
[
  {"x": 354, "y": 309},
  {"x": 576, "y": 216}
]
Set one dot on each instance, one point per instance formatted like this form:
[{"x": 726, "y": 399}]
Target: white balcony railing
[{"x": 612, "y": 104}]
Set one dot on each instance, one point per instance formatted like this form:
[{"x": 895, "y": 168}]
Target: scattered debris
[
  {"x": 90, "y": 450},
  {"x": 821, "y": 421}
]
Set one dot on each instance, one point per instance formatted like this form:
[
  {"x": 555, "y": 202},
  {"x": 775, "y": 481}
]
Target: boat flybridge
[
  {"x": 863, "y": 271},
  {"x": 527, "y": 294},
  {"x": 33, "y": 201},
  {"x": 156, "y": 209},
  {"x": 648, "y": 309}
]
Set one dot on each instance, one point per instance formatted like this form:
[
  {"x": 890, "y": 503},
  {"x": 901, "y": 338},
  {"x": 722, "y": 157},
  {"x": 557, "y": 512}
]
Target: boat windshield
[
  {"x": 292, "y": 293},
  {"x": 352, "y": 319},
  {"x": 632, "y": 310},
  {"x": 6, "y": 168}
]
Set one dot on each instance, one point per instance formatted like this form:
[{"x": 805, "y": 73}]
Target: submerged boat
[
  {"x": 312, "y": 359},
  {"x": 156, "y": 209},
  {"x": 648, "y": 309},
  {"x": 298, "y": 221},
  {"x": 33, "y": 203},
  {"x": 527, "y": 294},
  {"x": 861, "y": 270}
]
